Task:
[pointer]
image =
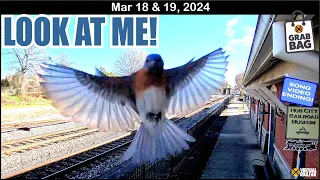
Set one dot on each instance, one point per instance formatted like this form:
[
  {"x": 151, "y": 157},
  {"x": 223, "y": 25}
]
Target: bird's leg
[
  {"x": 154, "y": 117},
  {"x": 152, "y": 123}
]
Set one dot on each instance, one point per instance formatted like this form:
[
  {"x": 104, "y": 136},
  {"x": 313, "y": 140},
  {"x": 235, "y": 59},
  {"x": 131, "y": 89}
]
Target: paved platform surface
[{"x": 236, "y": 147}]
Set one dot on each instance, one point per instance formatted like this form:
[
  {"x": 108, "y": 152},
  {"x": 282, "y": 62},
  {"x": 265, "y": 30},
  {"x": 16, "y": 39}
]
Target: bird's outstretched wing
[
  {"x": 191, "y": 85},
  {"x": 100, "y": 73},
  {"x": 106, "y": 103}
]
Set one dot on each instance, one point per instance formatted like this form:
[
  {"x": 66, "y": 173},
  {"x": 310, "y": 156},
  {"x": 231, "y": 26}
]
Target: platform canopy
[{"x": 268, "y": 65}]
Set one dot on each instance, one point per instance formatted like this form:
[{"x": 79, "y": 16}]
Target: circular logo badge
[
  {"x": 298, "y": 29},
  {"x": 295, "y": 172}
]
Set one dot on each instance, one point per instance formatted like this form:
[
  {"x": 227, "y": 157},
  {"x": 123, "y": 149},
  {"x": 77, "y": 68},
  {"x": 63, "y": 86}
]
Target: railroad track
[
  {"x": 29, "y": 143},
  {"x": 83, "y": 160},
  {"x": 67, "y": 164},
  {"x": 8, "y": 127}
]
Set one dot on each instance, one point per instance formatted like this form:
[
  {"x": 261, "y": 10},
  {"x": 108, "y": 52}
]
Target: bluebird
[{"x": 146, "y": 97}]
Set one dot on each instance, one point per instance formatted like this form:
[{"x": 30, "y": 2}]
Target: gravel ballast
[
  {"x": 18, "y": 134},
  {"x": 26, "y": 159}
]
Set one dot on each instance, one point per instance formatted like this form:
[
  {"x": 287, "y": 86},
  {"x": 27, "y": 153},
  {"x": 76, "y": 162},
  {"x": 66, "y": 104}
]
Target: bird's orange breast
[{"x": 144, "y": 80}]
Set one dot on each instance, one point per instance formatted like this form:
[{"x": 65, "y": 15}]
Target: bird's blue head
[{"x": 154, "y": 63}]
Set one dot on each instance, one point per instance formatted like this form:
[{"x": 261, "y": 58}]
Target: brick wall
[
  {"x": 280, "y": 133},
  {"x": 312, "y": 158},
  {"x": 253, "y": 106}
]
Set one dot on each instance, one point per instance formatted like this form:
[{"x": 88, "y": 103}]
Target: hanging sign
[
  {"x": 302, "y": 123},
  {"x": 298, "y": 91},
  {"x": 299, "y": 35}
]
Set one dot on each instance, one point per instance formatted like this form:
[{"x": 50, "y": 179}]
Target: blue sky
[{"x": 181, "y": 37}]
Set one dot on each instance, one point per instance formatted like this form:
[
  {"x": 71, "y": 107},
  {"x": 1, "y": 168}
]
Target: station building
[{"x": 267, "y": 65}]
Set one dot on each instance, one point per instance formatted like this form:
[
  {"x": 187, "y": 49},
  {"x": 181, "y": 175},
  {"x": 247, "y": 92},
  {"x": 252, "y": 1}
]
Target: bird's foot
[{"x": 154, "y": 117}]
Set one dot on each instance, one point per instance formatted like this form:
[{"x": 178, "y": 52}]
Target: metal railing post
[
  {"x": 172, "y": 165},
  {"x": 143, "y": 171}
]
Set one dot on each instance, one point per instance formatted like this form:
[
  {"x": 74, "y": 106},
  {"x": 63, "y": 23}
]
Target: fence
[{"x": 163, "y": 169}]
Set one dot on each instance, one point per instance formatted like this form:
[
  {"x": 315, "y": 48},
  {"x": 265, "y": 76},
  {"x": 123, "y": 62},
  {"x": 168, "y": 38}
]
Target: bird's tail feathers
[{"x": 169, "y": 140}]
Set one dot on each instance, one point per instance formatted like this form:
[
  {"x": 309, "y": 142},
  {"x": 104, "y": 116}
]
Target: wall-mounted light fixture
[{"x": 279, "y": 112}]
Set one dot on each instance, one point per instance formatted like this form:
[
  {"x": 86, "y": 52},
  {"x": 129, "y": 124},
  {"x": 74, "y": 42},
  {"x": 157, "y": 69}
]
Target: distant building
[{"x": 227, "y": 90}]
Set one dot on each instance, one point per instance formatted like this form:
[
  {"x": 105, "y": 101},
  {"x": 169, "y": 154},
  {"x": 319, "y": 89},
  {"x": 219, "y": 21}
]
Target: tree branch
[{"x": 130, "y": 61}]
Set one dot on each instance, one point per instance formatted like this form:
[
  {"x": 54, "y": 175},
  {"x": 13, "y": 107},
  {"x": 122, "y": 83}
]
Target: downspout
[{"x": 309, "y": 59}]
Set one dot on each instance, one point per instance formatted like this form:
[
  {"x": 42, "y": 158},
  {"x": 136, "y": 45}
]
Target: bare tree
[
  {"x": 130, "y": 61},
  {"x": 225, "y": 84},
  {"x": 238, "y": 80},
  {"x": 34, "y": 81},
  {"x": 63, "y": 60},
  {"x": 24, "y": 61}
]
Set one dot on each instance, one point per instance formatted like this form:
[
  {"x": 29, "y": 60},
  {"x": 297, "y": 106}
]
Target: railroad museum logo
[
  {"x": 299, "y": 35},
  {"x": 298, "y": 29},
  {"x": 300, "y": 145},
  {"x": 304, "y": 172}
]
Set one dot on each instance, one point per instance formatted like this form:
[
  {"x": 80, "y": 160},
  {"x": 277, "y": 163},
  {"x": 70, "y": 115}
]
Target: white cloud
[
  {"x": 233, "y": 43},
  {"x": 230, "y": 32},
  {"x": 231, "y": 74},
  {"x": 246, "y": 40}
]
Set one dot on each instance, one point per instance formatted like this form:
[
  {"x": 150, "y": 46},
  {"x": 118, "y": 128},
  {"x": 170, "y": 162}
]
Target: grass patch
[
  {"x": 13, "y": 99},
  {"x": 10, "y": 101},
  {"x": 22, "y": 106}
]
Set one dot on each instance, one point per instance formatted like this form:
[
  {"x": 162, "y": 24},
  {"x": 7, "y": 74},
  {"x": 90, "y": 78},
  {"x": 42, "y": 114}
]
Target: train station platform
[{"x": 236, "y": 148}]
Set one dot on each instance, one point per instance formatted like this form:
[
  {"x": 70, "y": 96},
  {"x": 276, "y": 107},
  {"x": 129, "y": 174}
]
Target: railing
[{"x": 163, "y": 169}]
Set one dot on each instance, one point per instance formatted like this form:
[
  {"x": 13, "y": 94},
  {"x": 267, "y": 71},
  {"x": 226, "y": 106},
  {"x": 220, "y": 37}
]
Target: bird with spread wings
[{"x": 146, "y": 96}]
